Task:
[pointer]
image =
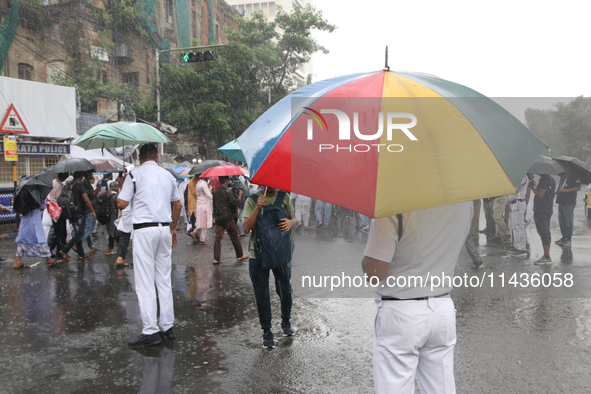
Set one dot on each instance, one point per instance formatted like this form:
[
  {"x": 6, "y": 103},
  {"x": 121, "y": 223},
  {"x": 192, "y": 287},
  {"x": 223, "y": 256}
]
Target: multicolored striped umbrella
[{"x": 386, "y": 142}]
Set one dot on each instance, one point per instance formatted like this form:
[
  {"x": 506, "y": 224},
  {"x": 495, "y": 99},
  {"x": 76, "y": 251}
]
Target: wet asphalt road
[{"x": 64, "y": 330}]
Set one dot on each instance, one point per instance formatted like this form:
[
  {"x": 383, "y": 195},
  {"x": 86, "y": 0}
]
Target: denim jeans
[
  {"x": 89, "y": 226},
  {"x": 565, "y": 219},
  {"x": 364, "y": 220},
  {"x": 79, "y": 224},
  {"x": 323, "y": 206},
  {"x": 260, "y": 284}
]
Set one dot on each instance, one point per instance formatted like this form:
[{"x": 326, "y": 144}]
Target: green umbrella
[
  {"x": 112, "y": 135},
  {"x": 233, "y": 151}
]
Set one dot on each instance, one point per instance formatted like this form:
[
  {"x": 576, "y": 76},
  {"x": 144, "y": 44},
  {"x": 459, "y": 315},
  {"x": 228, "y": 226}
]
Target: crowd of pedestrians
[{"x": 421, "y": 343}]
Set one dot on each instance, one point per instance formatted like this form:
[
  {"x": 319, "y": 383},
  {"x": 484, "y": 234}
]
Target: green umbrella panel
[{"x": 112, "y": 135}]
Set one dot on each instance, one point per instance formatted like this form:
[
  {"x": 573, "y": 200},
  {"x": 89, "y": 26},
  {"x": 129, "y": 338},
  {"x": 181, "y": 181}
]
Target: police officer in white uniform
[
  {"x": 415, "y": 325},
  {"x": 151, "y": 190}
]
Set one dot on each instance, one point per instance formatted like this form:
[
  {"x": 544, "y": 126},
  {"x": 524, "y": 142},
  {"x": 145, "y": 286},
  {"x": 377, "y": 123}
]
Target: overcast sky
[{"x": 518, "y": 48}]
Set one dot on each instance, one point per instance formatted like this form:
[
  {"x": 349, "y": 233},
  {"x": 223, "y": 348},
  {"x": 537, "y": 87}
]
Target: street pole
[{"x": 160, "y": 145}]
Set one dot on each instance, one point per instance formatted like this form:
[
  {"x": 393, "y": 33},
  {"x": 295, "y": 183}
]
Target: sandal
[
  {"x": 476, "y": 265},
  {"x": 242, "y": 258},
  {"x": 64, "y": 255},
  {"x": 54, "y": 263},
  {"x": 124, "y": 264},
  {"x": 204, "y": 243},
  {"x": 20, "y": 267},
  {"x": 215, "y": 262}
]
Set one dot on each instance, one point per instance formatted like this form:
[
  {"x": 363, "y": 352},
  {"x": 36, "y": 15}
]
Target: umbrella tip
[{"x": 386, "y": 67}]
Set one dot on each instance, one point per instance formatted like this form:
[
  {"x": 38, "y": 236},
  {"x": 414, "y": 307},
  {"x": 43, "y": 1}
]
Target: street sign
[
  {"x": 10, "y": 148},
  {"x": 12, "y": 122}
]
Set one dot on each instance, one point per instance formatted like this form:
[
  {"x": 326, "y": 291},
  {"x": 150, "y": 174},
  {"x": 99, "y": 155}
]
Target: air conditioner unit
[{"x": 123, "y": 52}]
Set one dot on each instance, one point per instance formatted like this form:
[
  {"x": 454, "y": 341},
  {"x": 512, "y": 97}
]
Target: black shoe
[
  {"x": 168, "y": 334},
  {"x": 146, "y": 340},
  {"x": 268, "y": 340},
  {"x": 287, "y": 330}
]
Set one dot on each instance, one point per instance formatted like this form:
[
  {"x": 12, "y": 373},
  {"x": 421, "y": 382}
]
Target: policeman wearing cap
[{"x": 151, "y": 190}]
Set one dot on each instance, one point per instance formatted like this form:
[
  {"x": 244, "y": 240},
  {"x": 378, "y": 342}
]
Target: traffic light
[{"x": 194, "y": 57}]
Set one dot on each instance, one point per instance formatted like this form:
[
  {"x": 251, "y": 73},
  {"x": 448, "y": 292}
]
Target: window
[
  {"x": 132, "y": 78},
  {"x": 272, "y": 8},
  {"x": 55, "y": 70},
  {"x": 248, "y": 10},
  {"x": 169, "y": 15},
  {"x": 25, "y": 71},
  {"x": 194, "y": 23},
  {"x": 26, "y": 165},
  {"x": 103, "y": 76}
]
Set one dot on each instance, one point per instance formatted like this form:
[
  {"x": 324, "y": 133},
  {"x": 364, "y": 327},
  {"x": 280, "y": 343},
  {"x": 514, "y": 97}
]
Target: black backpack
[
  {"x": 272, "y": 247},
  {"x": 103, "y": 210},
  {"x": 66, "y": 202}
]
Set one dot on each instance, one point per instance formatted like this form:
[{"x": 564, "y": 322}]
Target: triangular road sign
[{"x": 12, "y": 122}]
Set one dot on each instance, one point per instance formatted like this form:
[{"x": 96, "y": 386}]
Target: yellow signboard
[{"x": 10, "y": 149}]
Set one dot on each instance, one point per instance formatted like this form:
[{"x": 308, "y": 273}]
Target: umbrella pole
[{"x": 18, "y": 218}]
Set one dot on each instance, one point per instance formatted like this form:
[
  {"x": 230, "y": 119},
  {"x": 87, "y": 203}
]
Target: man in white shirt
[
  {"x": 415, "y": 331},
  {"x": 151, "y": 190},
  {"x": 517, "y": 219}
]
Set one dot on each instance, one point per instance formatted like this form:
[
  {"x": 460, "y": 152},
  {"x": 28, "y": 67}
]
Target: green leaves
[
  {"x": 566, "y": 128},
  {"x": 222, "y": 98}
]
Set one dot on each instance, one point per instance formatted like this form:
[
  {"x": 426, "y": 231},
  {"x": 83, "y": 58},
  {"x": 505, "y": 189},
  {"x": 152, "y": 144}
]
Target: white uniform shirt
[
  {"x": 521, "y": 191},
  {"x": 155, "y": 190},
  {"x": 430, "y": 245}
]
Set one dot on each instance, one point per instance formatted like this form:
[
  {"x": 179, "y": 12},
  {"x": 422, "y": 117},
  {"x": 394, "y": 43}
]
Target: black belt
[
  {"x": 514, "y": 201},
  {"x": 386, "y": 298},
  {"x": 144, "y": 225}
]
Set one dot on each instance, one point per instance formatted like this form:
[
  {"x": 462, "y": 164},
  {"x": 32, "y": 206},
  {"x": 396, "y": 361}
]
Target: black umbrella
[
  {"x": 72, "y": 164},
  {"x": 545, "y": 165},
  {"x": 579, "y": 167},
  {"x": 174, "y": 174},
  {"x": 31, "y": 191},
  {"x": 207, "y": 164}
]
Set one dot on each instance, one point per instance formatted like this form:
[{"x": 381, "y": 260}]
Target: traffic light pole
[{"x": 158, "y": 52}]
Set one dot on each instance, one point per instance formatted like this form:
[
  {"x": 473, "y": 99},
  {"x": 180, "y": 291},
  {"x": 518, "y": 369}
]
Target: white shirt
[
  {"x": 155, "y": 190},
  {"x": 430, "y": 245},
  {"x": 521, "y": 191}
]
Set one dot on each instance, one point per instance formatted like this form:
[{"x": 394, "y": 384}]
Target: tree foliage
[
  {"x": 566, "y": 128},
  {"x": 218, "y": 100}
]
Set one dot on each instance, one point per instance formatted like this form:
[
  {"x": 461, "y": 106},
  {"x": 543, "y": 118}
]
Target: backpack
[
  {"x": 272, "y": 247},
  {"x": 103, "y": 210},
  {"x": 66, "y": 202}
]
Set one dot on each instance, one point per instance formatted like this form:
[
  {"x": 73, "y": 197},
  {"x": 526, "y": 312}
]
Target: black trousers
[
  {"x": 123, "y": 244},
  {"x": 60, "y": 234}
]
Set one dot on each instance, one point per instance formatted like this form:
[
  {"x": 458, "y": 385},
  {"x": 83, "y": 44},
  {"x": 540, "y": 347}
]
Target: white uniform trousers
[
  {"x": 152, "y": 247},
  {"x": 517, "y": 221},
  {"x": 302, "y": 212},
  {"x": 414, "y": 338}
]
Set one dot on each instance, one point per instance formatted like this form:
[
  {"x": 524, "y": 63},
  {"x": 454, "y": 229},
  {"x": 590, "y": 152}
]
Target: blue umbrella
[
  {"x": 233, "y": 151},
  {"x": 180, "y": 169}
]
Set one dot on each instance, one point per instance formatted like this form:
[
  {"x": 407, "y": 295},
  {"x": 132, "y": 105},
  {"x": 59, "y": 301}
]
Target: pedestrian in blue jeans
[
  {"x": 90, "y": 222},
  {"x": 82, "y": 206},
  {"x": 322, "y": 210},
  {"x": 260, "y": 276},
  {"x": 566, "y": 198}
]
